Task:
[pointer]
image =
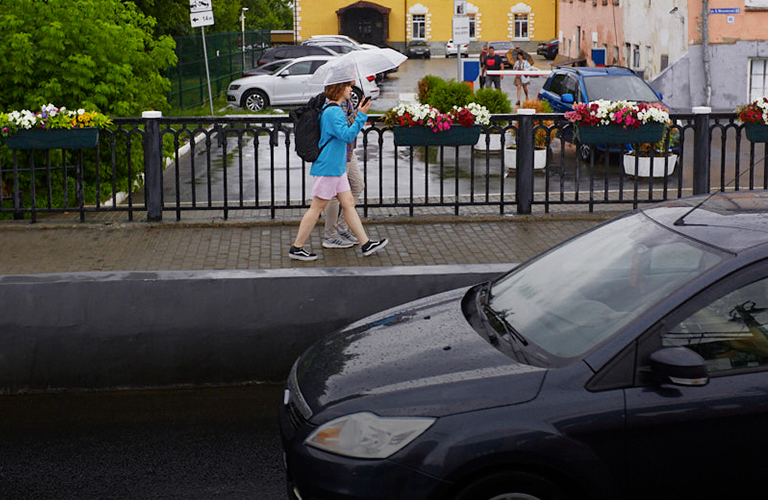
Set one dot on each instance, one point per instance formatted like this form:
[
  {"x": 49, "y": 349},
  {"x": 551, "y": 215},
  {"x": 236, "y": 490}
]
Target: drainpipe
[{"x": 705, "y": 50}]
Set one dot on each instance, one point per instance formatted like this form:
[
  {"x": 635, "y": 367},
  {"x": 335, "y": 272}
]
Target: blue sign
[{"x": 725, "y": 11}]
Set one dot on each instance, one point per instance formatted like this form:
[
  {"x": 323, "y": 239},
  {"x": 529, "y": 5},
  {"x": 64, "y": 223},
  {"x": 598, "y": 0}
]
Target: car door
[
  {"x": 292, "y": 83},
  {"x": 552, "y": 92},
  {"x": 706, "y": 441}
]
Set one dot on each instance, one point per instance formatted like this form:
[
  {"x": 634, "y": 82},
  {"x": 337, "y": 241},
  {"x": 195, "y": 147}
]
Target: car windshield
[
  {"x": 577, "y": 295},
  {"x": 618, "y": 88},
  {"x": 417, "y": 43},
  {"x": 501, "y": 45}
]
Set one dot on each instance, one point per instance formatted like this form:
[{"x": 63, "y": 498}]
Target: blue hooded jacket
[{"x": 337, "y": 133}]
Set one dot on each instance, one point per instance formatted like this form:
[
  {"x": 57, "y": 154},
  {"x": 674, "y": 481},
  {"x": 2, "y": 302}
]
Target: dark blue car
[
  {"x": 569, "y": 85},
  {"x": 628, "y": 362}
]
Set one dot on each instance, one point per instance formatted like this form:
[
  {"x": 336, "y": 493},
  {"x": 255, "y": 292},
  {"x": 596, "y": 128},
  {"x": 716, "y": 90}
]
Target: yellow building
[{"x": 395, "y": 22}]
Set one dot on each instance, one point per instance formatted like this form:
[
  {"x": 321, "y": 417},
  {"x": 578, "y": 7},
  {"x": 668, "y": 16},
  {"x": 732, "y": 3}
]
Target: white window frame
[
  {"x": 522, "y": 22},
  {"x": 761, "y": 90},
  {"x": 419, "y": 20},
  {"x": 521, "y": 10}
]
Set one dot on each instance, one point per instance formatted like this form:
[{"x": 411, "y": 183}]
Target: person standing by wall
[
  {"x": 330, "y": 176},
  {"x": 337, "y": 233},
  {"x": 493, "y": 63}
]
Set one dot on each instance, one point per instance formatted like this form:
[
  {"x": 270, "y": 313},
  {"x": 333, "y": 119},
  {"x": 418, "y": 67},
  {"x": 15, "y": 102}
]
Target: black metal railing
[{"x": 245, "y": 166}]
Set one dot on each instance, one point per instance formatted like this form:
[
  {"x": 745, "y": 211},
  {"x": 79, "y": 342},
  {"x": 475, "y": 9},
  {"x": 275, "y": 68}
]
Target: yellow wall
[{"x": 318, "y": 17}]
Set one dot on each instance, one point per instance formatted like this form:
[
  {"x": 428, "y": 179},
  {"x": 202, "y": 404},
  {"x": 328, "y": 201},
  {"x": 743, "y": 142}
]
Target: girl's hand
[{"x": 364, "y": 106}]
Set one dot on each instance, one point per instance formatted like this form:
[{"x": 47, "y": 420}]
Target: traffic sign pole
[
  {"x": 200, "y": 16},
  {"x": 207, "y": 71}
]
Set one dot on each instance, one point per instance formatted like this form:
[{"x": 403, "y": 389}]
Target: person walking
[
  {"x": 329, "y": 173},
  {"x": 483, "y": 56},
  {"x": 493, "y": 63},
  {"x": 522, "y": 81},
  {"x": 337, "y": 233}
]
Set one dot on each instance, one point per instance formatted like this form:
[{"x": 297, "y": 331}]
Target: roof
[
  {"x": 732, "y": 221},
  {"x": 597, "y": 70}
]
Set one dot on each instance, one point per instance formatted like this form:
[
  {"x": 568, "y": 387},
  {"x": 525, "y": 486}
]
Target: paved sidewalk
[{"x": 54, "y": 247}]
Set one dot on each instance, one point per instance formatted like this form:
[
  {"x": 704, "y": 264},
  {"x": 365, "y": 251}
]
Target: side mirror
[
  {"x": 567, "y": 98},
  {"x": 679, "y": 366},
  {"x": 661, "y": 97},
  {"x": 285, "y": 73}
]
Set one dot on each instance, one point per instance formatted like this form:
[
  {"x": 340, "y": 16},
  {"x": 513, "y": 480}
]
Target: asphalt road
[{"x": 212, "y": 443}]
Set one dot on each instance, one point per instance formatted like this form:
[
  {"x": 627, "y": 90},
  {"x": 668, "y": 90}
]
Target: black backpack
[{"x": 306, "y": 127}]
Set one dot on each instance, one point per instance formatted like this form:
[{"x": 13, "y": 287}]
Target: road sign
[
  {"x": 200, "y": 19},
  {"x": 460, "y": 30},
  {"x": 200, "y": 5}
]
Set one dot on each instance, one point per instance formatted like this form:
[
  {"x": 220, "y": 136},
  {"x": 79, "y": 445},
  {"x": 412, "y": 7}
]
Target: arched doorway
[{"x": 366, "y": 22}]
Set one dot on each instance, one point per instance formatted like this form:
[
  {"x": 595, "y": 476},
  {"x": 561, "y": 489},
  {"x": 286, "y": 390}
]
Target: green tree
[{"x": 98, "y": 54}]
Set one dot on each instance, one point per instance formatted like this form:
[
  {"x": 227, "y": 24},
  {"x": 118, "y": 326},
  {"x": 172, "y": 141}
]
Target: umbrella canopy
[{"x": 356, "y": 65}]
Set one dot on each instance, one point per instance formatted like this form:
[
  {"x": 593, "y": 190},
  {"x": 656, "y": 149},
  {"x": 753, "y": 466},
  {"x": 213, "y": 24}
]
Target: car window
[
  {"x": 730, "y": 332},
  {"x": 557, "y": 86},
  {"x": 301, "y": 68},
  {"x": 317, "y": 64},
  {"x": 618, "y": 88},
  {"x": 572, "y": 298},
  {"x": 571, "y": 85}
]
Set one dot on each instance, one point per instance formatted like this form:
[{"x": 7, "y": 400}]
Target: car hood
[{"x": 422, "y": 358}]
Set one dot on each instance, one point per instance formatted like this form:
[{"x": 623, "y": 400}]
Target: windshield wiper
[{"x": 506, "y": 326}]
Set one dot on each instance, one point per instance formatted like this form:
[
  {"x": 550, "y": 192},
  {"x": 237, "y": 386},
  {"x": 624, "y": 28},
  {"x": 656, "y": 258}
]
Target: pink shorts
[{"x": 326, "y": 187}]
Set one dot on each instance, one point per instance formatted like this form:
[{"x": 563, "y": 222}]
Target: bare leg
[
  {"x": 310, "y": 218},
  {"x": 351, "y": 216}
]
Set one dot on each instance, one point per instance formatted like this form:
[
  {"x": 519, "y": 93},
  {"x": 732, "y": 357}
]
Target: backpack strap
[{"x": 321, "y": 112}]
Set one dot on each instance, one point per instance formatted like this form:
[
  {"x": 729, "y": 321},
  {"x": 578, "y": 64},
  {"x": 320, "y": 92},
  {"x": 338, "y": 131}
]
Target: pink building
[{"x": 585, "y": 25}]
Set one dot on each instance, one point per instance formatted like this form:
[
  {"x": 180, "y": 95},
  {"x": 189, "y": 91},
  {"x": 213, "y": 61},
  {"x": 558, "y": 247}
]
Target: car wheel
[
  {"x": 585, "y": 150},
  {"x": 512, "y": 486},
  {"x": 356, "y": 96},
  {"x": 255, "y": 100}
]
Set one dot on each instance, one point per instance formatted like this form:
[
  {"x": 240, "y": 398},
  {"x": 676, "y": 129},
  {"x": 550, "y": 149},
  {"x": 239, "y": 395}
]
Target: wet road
[{"x": 212, "y": 443}]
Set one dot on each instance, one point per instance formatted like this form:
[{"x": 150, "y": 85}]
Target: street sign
[
  {"x": 459, "y": 7},
  {"x": 732, "y": 10},
  {"x": 200, "y": 5},
  {"x": 200, "y": 19},
  {"x": 460, "y": 30}
]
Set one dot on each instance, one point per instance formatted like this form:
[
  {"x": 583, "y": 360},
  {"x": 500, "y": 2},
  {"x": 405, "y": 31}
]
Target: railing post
[
  {"x": 153, "y": 165},
  {"x": 525, "y": 148},
  {"x": 701, "y": 149}
]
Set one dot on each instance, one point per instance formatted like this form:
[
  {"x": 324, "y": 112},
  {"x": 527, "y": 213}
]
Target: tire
[
  {"x": 512, "y": 486},
  {"x": 255, "y": 100},
  {"x": 584, "y": 151},
  {"x": 356, "y": 97}
]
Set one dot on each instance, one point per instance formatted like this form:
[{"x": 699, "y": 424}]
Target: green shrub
[
  {"x": 451, "y": 94},
  {"x": 427, "y": 85},
  {"x": 494, "y": 100}
]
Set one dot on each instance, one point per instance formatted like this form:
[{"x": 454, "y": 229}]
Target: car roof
[
  {"x": 733, "y": 221},
  {"x": 596, "y": 70}
]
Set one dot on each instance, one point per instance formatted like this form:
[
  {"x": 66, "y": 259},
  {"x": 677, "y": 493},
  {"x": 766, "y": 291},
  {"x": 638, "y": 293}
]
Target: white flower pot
[
  {"x": 495, "y": 144},
  {"x": 539, "y": 158},
  {"x": 644, "y": 165}
]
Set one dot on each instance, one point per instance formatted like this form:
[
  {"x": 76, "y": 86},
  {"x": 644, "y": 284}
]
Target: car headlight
[
  {"x": 365, "y": 435},
  {"x": 234, "y": 87}
]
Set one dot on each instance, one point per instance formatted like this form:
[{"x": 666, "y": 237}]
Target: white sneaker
[
  {"x": 347, "y": 235},
  {"x": 337, "y": 242}
]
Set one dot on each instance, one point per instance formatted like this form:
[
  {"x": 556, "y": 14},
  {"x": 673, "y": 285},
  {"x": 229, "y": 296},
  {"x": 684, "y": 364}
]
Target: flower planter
[
  {"x": 495, "y": 143},
  {"x": 76, "y": 138},
  {"x": 644, "y": 165},
  {"x": 422, "y": 136},
  {"x": 539, "y": 158},
  {"x": 756, "y": 132},
  {"x": 615, "y": 134}
]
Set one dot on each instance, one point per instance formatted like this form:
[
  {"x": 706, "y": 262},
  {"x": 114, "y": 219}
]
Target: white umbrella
[{"x": 358, "y": 64}]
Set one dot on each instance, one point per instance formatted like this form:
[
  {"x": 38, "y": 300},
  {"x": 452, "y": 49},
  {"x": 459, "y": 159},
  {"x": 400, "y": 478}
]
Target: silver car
[{"x": 288, "y": 83}]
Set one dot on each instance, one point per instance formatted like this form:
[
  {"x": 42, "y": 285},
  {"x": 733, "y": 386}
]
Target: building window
[
  {"x": 419, "y": 26},
  {"x": 664, "y": 61},
  {"x": 472, "y": 32},
  {"x": 635, "y": 56},
  {"x": 521, "y": 25},
  {"x": 758, "y": 79}
]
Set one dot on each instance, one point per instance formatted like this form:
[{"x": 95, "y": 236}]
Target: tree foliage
[
  {"x": 96, "y": 54},
  {"x": 172, "y": 16}
]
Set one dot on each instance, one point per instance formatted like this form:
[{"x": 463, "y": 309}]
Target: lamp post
[{"x": 242, "y": 30}]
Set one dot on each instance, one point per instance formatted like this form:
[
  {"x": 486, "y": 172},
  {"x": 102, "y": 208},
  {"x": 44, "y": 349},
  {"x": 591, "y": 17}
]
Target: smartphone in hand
[{"x": 364, "y": 101}]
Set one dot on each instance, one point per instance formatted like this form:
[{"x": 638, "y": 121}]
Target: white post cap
[
  {"x": 702, "y": 110},
  {"x": 526, "y": 111},
  {"x": 152, "y": 114}
]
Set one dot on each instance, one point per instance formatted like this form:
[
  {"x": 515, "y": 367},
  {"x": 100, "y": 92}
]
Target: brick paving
[{"x": 58, "y": 246}]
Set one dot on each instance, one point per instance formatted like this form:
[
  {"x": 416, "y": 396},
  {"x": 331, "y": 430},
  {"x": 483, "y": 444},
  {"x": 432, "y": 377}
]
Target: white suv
[
  {"x": 287, "y": 82},
  {"x": 337, "y": 38}
]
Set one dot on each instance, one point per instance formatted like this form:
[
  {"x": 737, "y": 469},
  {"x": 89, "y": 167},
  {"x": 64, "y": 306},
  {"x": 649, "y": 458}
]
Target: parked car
[
  {"x": 335, "y": 45},
  {"x": 294, "y": 51},
  {"x": 626, "y": 363},
  {"x": 289, "y": 84},
  {"x": 338, "y": 38},
  {"x": 417, "y": 48},
  {"x": 549, "y": 49},
  {"x": 501, "y": 47},
  {"x": 569, "y": 85},
  {"x": 450, "y": 49},
  {"x": 267, "y": 68}
]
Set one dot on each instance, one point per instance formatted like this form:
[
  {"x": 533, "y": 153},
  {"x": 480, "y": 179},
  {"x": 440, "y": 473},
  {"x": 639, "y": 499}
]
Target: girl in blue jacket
[{"x": 330, "y": 173}]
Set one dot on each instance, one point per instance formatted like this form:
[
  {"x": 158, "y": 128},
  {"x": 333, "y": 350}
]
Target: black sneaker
[
  {"x": 373, "y": 246},
  {"x": 301, "y": 254}
]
